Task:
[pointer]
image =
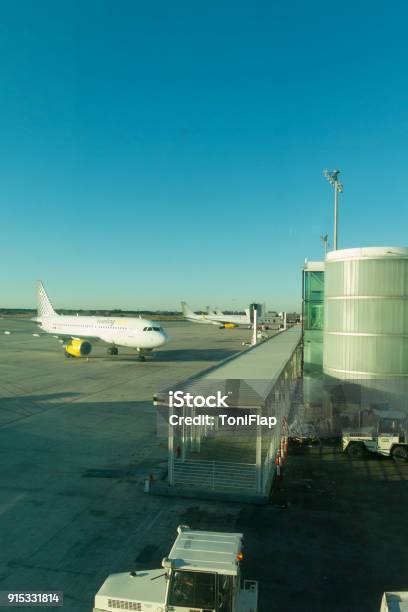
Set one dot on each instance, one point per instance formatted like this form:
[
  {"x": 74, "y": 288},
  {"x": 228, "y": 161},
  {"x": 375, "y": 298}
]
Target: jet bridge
[{"x": 231, "y": 450}]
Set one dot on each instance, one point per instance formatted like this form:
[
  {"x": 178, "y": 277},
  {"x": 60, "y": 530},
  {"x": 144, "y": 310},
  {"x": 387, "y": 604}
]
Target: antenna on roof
[{"x": 325, "y": 240}]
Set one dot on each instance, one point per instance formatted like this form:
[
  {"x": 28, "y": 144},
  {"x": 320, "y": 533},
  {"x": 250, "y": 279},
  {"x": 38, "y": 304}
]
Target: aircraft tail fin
[
  {"x": 44, "y": 306},
  {"x": 187, "y": 312}
]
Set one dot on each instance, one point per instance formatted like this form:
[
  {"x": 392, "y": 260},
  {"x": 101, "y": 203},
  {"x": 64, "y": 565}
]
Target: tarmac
[{"x": 78, "y": 437}]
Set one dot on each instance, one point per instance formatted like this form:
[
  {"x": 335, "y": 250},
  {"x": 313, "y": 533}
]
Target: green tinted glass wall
[{"x": 313, "y": 300}]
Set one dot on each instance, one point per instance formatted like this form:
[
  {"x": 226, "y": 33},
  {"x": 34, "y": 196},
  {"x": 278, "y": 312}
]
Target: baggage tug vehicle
[{"x": 201, "y": 574}]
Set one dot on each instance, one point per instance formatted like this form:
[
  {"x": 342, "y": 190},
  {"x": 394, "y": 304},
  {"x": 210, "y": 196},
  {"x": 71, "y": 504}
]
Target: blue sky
[{"x": 156, "y": 151}]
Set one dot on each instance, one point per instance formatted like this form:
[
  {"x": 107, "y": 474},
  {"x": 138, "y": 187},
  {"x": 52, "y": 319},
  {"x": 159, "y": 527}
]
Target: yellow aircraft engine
[
  {"x": 230, "y": 325},
  {"x": 77, "y": 348}
]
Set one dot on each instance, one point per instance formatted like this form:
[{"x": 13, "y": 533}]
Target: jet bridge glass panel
[{"x": 313, "y": 299}]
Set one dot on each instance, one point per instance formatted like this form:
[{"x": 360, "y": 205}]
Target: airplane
[
  {"x": 76, "y": 332},
  {"x": 216, "y": 318},
  {"x": 215, "y": 312}
]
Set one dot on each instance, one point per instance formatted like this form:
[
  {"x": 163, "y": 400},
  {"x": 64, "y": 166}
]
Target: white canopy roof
[{"x": 210, "y": 551}]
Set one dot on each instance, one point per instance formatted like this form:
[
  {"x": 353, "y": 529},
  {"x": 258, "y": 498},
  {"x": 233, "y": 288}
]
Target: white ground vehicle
[
  {"x": 394, "y": 601},
  {"x": 390, "y": 438},
  {"x": 201, "y": 573}
]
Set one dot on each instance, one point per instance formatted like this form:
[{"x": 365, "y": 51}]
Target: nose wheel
[
  {"x": 142, "y": 358},
  {"x": 112, "y": 350}
]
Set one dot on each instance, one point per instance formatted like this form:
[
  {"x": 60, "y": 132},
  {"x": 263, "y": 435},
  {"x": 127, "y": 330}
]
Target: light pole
[
  {"x": 325, "y": 240},
  {"x": 333, "y": 178}
]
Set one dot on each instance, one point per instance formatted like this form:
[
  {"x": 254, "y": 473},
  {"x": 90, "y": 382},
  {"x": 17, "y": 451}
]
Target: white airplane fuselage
[{"x": 140, "y": 334}]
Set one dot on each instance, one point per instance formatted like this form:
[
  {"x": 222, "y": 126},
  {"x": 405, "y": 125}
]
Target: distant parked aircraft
[{"x": 216, "y": 318}]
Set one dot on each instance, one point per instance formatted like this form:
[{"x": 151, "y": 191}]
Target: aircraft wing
[
  {"x": 8, "y": 325},
  {"x": 30, "y": 328}
]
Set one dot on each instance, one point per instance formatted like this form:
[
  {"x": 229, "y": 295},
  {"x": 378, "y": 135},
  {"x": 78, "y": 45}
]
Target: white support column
[
  {"x": 259, "y": 456},
  {"x": 255, "y": 330},
  {"x": 183, "y": 435},
  {"x": 171, "y": 450}
]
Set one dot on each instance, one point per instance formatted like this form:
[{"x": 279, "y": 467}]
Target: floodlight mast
[
  {"x": 333, "y": 178},
  {"x": 325, "y": 240}
]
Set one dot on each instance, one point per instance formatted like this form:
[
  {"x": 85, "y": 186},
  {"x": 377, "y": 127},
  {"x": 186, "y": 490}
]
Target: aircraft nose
[
  {"x": 161, "y": 338},
  {"x": 164, "y": 338}
]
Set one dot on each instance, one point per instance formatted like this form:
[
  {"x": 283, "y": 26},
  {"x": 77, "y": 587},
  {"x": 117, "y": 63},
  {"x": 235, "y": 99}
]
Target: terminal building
[
  {"x": 355, "y": 337},
  {"x": 365, "y": 342}
]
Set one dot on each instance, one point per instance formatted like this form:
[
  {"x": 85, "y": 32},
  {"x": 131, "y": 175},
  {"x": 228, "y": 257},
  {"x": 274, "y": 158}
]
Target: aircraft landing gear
[
  {"x": 142, "y": 358},
  {"x": 112, "y": 350}
]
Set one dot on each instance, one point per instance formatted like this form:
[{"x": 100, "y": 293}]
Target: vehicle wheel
[
  {"x": 142, "y": 358},
  {"x": 115, "y": 351},
  {"x": 355, "y": 450},
  {"x": 400, "y": 453},
  {"x": 110, "y": 350}
]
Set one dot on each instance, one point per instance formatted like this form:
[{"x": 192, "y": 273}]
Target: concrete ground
[
  {"x": 336, "y": 532},
  {"x": 77, "y": 439}
]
